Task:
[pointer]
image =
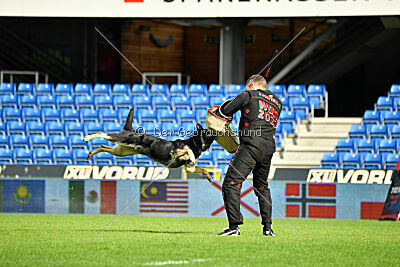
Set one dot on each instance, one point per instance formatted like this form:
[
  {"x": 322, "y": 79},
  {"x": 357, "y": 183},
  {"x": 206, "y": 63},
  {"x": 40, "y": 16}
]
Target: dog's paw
[
  {"x": 208, "y": 176},
  {"x": 86, "y": 138}
]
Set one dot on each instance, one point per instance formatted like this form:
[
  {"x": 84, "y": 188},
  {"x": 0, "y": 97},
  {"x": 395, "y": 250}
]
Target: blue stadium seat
[
  {"x": 199, "y": 102},
  {"x": 391, "y": 161},
  {"x": 121, "y": 89},
  {"x": 235, "y": 89},
  {"x": 187, "y": 127},
  {"x": 34, "y": 127},
  {"x": 207, "y": 158},
  {"x": 51, "y": 114},
  {"x": 58, "y": 141},
  {"x": 385, "y": 103},
  {"x": 9, "y": 101},
  {"x": 378, "y": 131},
  {"x": 65, "y": 101},
  {"x": 63, "y": 156},
  {"x": 89, "y": 115},
  {"x": 6, "y": 156},
  {"x": 197, "y": 89},
  {"x": 181, "y": 102},
  {"x": 143, "y": 101},
  {"x": 159, "y": 89},
  {"x": 103, "y": 159},
  {"x": 102, "y": 89},
  {"x": 92, "y": 127},
  {"x": 25, "y": 88},
  {"x": 84, "y": 101},
  {"x": 285, "y": 103},
  {"x": 137, "y": 113},
  {"x": 169, "y": 126},
  {"x": 160, "y": 101},
  {"x": 4, "y": 141},
  {"x": 395, "y": 134},
  {"x": 372, "y": 161},
  {"x": 43, "y": 156},
  {"x": 394, "y": 90},
  {"x": 358, "y": 131},
  {"x": 371, "y": 116},
  {"x": 351, "y": 161},
  {"x": 391, "y": 117},
  {"x": 97, "y": 142},
  {"x": 296, "y": 90},
  {"x": 15, "y": 127},
  {"x": 73, "y": 127},
  {"x": 63, "y": 89},
  {"x": 19, "y": 140},
  {"x": 366, "y": 145},
  {"x": 54, "y": 127},
  {"x": 123, "y": 161},
  {"x": 201, "y": 115},
  {"x": 122, "y": 101},
  {"x": 7, "y": 88},
  {"x": 316, "y": 90},
  {"x": 76, "y": 141},
  {"x": 70, "y": 115},
  {"x": 165, "y": 114},
  {"x": 23, "y": 156},
  {"x": 31, "y": 114},
  {"x": 288, "y": 117},
  {"x": 178, "y": 90},
  {"x": 278, "y": 89},
  {"x": 217, "y": 90},
  {"x": 27, "y": 100},
  {"x": 150, "y": 127},
  {"x": 3, "y": 128},
  {"x": 387, "y": 145},
  {"x": 123, "y": 114},
  {"x": 223, "y": 157},
  {"x": 185, "y": 115},
  {"x": 45, "y": 89},
  {"x": 148, "y": 115},
  {"x": 46, "y": 101},
  {"x": 140, "y": 89},
  {"x": 103, "y": 101},
  {"x": 301, "y": 106},
  {"x": 80, "y": 156},
  {"x": 330, "y": 161},
  {"x": 12, "y": 114},
  {"x": 112, "y": 127},
  {"x": 216, "y": 100},
  {"x": 83, "y": 89},
  {"x": 39, "y": 141},
  {"x": 345, "y": 144}
]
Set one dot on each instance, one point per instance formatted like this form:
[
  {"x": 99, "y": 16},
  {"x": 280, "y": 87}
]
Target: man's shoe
[
  {"x": 268, "y": 231},
  {"x": 227, "y": 231}
]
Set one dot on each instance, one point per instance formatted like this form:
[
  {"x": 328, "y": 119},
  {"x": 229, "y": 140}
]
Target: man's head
[{"x": 256, "y": 82}]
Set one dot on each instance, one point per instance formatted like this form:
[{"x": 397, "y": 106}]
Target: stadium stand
[{"x": 52, "y": 127}]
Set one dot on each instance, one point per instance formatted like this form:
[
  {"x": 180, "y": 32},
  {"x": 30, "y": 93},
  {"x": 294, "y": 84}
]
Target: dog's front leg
[
  {"x": 194, "y": 169},
  {"x": 102, "y": 148},
  {"x": 96, "y": 135}
]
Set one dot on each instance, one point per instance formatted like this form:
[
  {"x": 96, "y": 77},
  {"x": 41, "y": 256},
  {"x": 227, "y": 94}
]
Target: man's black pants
[{"x": 246, "y": 160}]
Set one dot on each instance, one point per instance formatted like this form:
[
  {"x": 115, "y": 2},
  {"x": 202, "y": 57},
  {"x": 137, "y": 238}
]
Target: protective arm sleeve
[{"x": 234, "y": 105}]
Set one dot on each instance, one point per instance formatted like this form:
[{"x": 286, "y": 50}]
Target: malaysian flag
[{"x": 164, "y": 197}]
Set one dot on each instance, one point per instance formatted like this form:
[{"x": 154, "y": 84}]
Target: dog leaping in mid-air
[{"x": 172, "y": 154}]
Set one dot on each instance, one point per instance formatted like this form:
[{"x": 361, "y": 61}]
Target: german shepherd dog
[{"x": 172, "y": 154}]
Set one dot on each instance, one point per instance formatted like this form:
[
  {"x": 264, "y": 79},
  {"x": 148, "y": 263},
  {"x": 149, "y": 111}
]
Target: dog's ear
[
  {"x": 199, "y": 127},
  {"x": 129, "y": 120}
]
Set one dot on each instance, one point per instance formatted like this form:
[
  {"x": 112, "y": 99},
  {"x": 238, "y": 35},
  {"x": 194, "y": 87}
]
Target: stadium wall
[{"x": 194, "y": 198}]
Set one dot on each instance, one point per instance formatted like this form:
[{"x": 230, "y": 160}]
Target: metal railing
[
  {"x": 12, "y": 73},
  {"x": 178, "y": 76}
]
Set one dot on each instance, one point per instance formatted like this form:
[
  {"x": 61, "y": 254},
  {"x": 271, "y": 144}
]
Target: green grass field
[{"x": 27, "y": 240}]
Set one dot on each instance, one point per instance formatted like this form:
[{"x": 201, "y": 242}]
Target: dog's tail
[{"x": 129, "y": 121}]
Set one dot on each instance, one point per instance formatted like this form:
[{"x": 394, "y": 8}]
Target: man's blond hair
[{"x": 258, "y": 81}]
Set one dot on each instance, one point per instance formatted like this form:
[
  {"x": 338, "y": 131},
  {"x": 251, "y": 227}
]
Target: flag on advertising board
[
  {"x": 310, "y": 200},
  {"x": 83, "y": 197},
  {"x": 22, "y": 196},
  {"x": 391, "y": 209},
  {"x": 164, "y": 197}
]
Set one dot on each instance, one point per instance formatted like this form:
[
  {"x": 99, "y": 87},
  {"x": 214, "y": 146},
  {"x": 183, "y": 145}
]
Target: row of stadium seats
[{"x": 367, "y": 160}]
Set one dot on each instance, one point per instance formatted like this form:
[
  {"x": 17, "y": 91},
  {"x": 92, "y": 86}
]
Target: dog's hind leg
[
  {"x": 97, "y": 135},
  {"x": 102, "y": 148},
  {"x": 194, "y": 169}
]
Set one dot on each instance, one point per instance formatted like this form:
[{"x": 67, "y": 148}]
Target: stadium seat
[
  {"x": 147, "y": 115},
  {"x": 395, "y": 133},
  {"x": 387, "y": 145},
  {"x": 92, "y": 127},
  {"x": 165, "y": 114},
  {"x": 330, "y": 160},
  {"x": 3, "y": 128},
  {"x": 366, "y": 145},
  {"x": 102, "y": 89},
  {"x": 122, "y": 101},
  {"x": 103, "y": 159},
  {"x": 378, "y": 131},
  {"x": 201, "y": 115},
  {"x": 394, "y": 90},
  {"x": 108, "y": 115},
  {"x": 197, "y": 90},
  {"x": 185, "y": 115},
  {"x": 371, "y": 116},
  {"x": 288, "y": 117},
  {"x": 27, "y": 100},
  {"x": 65, "y": 101},
  {"x": 391, "y": 161},
  {"x": 199, "y": 102},
  {"x": 15, "y": 127},
  {"x": 4, "y": 141},
  {"x": 160, "y": 101},
  {"x": 384, "y": 103},
  {"x": 63, "y": 156},
  {"x": 39, "y": 141},
  {"x": 46, "y": 101},
  {"x": 296, "y": 90},
  {"x": 217, "y": 90},
  {"x": 84, "y": 101},
  {"x": 318, "y": 90},
  {"x": 23, "y": 156},
  {"x": 19, "y": 140},
  {"x": 121, "y": 89},
  {"x": 12, "y": 114},
  {"x": 7, "y": 88},
  {"x": 9, "y": 101},
  {"x": 26, "y": 88},
  {"x": 58, "y": 141},
  {"x": 159, "y": 90},
  {"x": 357, "y": 131},
  {"x": 112, "y": 127},
  {"x": 143, "y": 101},
  {"x": 345, "y": 144},
  {"x": 83, "y": 89},
  {"x": 181, "y": 102},
  {"x": 391, "y": 117},
  {"x": 178, "y": 90},
  {"x": 6, "y": 156},
  {"x": 285, "y": 103},
  {"x": 73, "y": 127},
  {"x": 279, "y": 90},
  {"x": 34, "y": 127},
  {"x": 351, "y": 161},
  {"x": 70, "y": 115},
  {"x": 31, "y": 114},
  {"x": 123, "y": 114},
  {"x": 89, "y": 115},
  {"x": 45, "y": 89},
  {"x": 140, "y": 89},
  {"x": 103, "y": 101},
  {"x": 80, "y": 156},
  {"x": 169, "y": 126},
  {"x": 76, "y": 141},
  {"x": 149, "y": 127},
  {"x": 54, "y": 127},
  {"x": 43, "y": 156},
  {"x": 207, "y": 158},
  {"x": 216, "y": 100},
  {"x": 123, "y": 161},
  {"x": 372, "y": 161},
  {"x": 301, "y": 106},
  {"x": 63, "y": 89},
  {"x": 235, "y": 89}
]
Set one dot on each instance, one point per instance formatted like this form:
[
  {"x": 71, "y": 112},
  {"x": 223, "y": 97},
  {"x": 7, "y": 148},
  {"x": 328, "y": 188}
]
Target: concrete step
[
  {"x": 328, "y": 135},
  {"x": 336, "y": 120},
  {"x": 326, "y": 142},
  {"x": 303, "y": 155},
  {"x": 292, "y": 148},
  {"x": 296, "y": 164},
  {"x": 322, "y": 128}
]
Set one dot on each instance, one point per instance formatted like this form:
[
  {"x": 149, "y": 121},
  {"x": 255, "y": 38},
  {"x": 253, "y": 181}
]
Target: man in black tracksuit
[{"x": 260, "y": 110}]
